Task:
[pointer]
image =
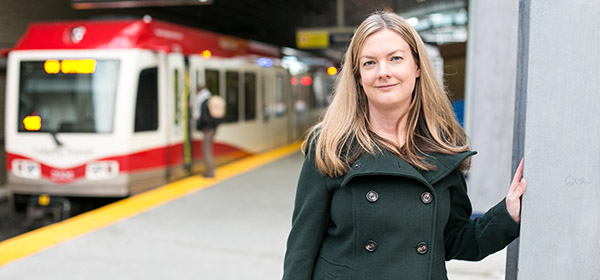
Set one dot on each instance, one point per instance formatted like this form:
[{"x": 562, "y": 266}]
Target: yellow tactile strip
[{"x": 43, "y": 238}]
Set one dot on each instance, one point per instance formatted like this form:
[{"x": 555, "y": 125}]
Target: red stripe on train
[{"x": 149, "y": 159}]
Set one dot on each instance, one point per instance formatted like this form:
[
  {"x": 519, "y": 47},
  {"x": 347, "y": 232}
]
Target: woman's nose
[{"x": 384, "y": 70}]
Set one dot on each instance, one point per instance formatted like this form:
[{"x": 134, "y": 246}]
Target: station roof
[{"x": 277, "y": 22}]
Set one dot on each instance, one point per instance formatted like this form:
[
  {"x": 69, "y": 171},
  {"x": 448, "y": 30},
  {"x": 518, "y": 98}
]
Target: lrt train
[{"x": 102, "y": 108}]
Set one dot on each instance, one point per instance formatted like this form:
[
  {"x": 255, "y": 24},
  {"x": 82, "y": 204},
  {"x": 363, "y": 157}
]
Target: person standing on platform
[
  {"x": 382, "y": 193},
  {"x": 209, "y": 112}
]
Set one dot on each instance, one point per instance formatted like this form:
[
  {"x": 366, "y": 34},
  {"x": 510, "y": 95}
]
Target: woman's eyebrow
[{"x": 388, "y": 54}]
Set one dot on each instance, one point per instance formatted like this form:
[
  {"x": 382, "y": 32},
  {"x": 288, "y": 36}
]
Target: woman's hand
[{"x": 513, "y": 198}]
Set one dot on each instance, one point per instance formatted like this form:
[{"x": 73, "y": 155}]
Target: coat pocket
[
  {"x": 438, "y": 271},
  {"x": 327, "y": 270},
  {"x": 329, "y": 277}
]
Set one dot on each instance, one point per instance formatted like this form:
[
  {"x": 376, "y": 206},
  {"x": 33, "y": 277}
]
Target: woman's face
[{"x": 388, "y": 71}]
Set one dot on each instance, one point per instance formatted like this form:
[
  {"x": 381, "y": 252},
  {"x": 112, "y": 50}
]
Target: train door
[
  {"x": 279, "y": 119},
  {"x": 205, "y": 72},
  {"x": 289, "y": 100},
  {"x": 175, "y": 117},
  {"x": 270, "y": 129},
  {"x": 196, "y": 75},
  {"x": 266, "y": 102},
  {"x": 187, "y": 119}
]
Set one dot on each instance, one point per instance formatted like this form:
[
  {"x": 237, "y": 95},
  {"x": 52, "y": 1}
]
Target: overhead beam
[{"x": 102, "y": 4}]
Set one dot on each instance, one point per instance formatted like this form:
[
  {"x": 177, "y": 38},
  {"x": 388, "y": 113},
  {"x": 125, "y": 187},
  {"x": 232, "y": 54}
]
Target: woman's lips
[{"x": 386, "y": 86}]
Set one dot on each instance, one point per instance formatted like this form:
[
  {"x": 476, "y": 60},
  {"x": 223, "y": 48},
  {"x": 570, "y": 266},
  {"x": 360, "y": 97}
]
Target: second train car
[{"x": 102, "y": 108}]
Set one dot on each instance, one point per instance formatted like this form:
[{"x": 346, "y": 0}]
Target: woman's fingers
[
  {"x": 518, "y": 175},
  {"x": 516, "y": 190}
]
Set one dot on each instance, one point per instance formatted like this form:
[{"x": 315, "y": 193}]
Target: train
[{"x": 102, "y": 108}]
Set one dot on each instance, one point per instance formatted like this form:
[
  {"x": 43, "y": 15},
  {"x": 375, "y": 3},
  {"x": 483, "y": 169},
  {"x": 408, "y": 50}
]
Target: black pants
[{"x": 207, "y": 151}]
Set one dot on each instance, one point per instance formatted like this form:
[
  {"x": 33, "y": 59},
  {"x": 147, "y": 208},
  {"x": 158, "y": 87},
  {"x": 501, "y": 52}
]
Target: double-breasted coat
[{"x": 384, "y": 219}]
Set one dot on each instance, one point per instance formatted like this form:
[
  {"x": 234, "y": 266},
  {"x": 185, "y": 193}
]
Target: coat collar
[{"x": 387, "y": 163}]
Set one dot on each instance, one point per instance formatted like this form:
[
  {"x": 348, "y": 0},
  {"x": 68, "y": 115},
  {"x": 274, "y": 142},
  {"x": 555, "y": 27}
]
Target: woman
[{"x": 382, "y": 193}]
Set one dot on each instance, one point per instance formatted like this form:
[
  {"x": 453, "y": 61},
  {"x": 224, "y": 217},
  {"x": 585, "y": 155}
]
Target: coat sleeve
[
  {"x": 473, "y": 240},
  {"x": 309, "y": 223}
]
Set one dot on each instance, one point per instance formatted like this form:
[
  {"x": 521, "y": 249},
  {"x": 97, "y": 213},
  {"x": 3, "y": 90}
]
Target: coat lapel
[
  {"x": 446, "y": 164},
  {"x": 384, "y": 163},
  {"x": 390, "y": 164}
]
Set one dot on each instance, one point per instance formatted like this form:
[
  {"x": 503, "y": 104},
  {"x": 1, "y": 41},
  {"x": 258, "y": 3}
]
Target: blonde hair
[{"x": 344, "y": 132}]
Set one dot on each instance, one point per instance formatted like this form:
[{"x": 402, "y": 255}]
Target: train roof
[{"x": 143, "y": 33}]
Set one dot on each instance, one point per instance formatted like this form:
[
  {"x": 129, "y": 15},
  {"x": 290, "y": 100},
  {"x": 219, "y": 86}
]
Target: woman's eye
[
  {"x": 368, "y": 63},
  {"x": 396, "y": 58}
]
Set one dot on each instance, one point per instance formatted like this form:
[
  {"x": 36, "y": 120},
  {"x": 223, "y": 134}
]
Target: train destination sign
[{"x": 70, "y": 66}]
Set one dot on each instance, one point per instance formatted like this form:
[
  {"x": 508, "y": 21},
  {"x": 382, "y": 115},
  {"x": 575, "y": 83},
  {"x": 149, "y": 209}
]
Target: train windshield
[{"x": 70, "y": 95}]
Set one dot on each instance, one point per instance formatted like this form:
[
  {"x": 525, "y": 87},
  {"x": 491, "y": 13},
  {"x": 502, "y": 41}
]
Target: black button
[
  {"x": 422, "y": 248},
  {"x": 372, "y": 196},
  {"x": 371, "y": 246},
  {"x": 426, "y": 197},
  {"x": 356, "y": 165}
]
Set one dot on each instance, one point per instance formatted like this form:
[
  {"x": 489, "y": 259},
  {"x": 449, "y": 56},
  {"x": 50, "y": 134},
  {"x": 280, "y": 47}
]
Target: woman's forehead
[{"x": 385, "y": 40}]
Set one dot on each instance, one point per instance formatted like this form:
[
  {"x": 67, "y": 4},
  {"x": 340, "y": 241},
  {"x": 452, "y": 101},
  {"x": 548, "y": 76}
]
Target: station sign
[
  {"x": 312, "y": 39},
  {"x": 323, "y": 38}
]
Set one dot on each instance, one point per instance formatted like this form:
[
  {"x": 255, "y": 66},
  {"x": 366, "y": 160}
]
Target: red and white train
[{"x": 102, "y": 108}]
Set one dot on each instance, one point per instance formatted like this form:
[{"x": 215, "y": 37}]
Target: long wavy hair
[{"x": 345, "y": 133}]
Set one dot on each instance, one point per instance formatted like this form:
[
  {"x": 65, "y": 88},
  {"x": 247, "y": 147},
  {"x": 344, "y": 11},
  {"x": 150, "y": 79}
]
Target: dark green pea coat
[{"x": 384, "y": 219}]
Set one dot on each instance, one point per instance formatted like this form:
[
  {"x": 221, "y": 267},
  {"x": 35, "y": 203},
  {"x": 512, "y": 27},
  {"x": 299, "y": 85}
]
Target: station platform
[{"x": 233, "y": 226}]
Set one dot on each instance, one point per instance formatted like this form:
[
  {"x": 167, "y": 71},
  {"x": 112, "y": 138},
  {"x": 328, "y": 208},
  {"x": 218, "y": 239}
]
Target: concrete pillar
[
  {"x": 558, "y": 65},
  {"x": 490, "y": 98}
]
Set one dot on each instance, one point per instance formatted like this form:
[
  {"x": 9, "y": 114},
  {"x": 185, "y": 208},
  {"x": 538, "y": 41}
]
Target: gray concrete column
[
  {"x": 558, "y": 65},
  {"x": 490, "y": 98}
]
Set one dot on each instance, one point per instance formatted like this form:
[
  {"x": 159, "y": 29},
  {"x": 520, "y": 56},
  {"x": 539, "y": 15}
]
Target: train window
[
  {"x": 176, "y": 95},
  {"x": 265, "y": 100},
  {"x": 212, "y": 81},
  {"x": 280, "y": 98},
  {"x": 146, "y": 104},
  {"x": 231, "y": 96},
  {"x": 67, "y": 96},
  {"x": 197, "y": 81},
  {"x": 250, "y": 96}
]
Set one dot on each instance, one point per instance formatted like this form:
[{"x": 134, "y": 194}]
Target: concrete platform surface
[{"x": 234, "y": 229}]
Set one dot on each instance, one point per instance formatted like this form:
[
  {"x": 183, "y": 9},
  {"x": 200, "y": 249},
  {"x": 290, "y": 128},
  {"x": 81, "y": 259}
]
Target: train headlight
[
  {"x": 102, "y": 170},
  {"x": 26, "y": 168}
]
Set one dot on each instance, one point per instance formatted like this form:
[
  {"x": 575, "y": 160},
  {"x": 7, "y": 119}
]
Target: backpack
[
  {"x": 212, "y": 113},
  {"x": 216, "y": 106}
]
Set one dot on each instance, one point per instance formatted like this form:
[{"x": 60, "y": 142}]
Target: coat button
[
  {"x": 422, "y": 248},
  {"x": 372, "y": 196},
  {"x": 426, "y": 197},
  {"x": 356, "y": 165},
  {"x": 371, "y": 246}
]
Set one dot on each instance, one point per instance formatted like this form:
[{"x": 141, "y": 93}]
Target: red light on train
[
  {"x": 306, "y": 81},
  {"x": 294, "y": 81},
  {"x": 206, "y": 54},
  {"x": 32, "y": 123}
]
